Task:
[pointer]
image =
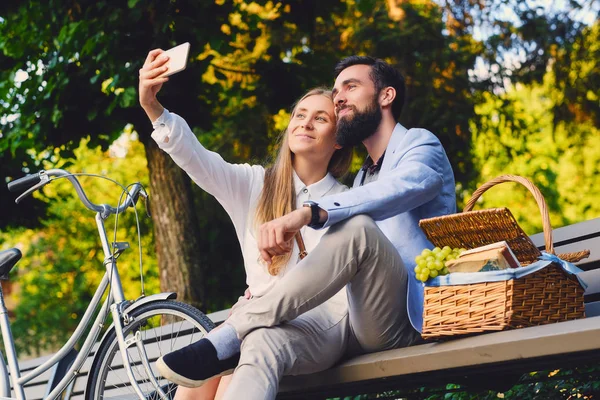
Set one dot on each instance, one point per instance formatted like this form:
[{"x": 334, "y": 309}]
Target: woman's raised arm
[{"x": 233, "y": 185}]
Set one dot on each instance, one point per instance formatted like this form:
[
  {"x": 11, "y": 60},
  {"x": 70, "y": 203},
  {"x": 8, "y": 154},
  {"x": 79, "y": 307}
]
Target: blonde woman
[{"x": 308, "y": 162}]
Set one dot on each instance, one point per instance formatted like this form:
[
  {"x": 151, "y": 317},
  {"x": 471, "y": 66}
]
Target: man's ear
[{"x": 387, "y": 96}]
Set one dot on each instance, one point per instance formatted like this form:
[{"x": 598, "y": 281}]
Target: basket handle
[{"x": 536, "y": 194}]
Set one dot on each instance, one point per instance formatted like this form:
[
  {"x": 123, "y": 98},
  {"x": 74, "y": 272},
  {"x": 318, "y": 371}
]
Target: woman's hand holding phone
[
  {"x": 159, "y": 65},
  {"x": 151, "y": 82}
]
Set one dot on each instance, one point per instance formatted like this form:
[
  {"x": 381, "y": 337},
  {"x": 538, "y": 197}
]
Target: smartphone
[{"x": 178, "y": 57}]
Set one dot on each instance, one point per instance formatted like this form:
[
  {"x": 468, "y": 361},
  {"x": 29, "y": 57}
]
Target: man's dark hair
[{"x": 382, "y": 74}]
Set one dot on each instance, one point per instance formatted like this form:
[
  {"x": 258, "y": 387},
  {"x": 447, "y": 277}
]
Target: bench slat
[
  {"x": 572, "y": 238},
  {"x": 570, "y": 233}
]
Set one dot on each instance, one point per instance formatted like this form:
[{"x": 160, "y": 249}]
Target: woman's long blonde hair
[{"x": 278, "y": 196}]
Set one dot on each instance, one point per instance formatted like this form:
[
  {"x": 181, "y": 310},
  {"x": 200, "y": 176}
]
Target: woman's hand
[
  {"x": 151, "y": 83},
  {"x": 275, "y": 237}
]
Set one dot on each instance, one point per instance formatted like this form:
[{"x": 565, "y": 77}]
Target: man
[{"x": 369, "y": 249}]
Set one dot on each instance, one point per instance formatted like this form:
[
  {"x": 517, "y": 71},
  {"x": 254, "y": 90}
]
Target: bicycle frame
[{"x": 115, "y": 301}]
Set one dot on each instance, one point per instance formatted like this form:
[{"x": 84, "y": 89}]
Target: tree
[{"x": 81, "y": 81}]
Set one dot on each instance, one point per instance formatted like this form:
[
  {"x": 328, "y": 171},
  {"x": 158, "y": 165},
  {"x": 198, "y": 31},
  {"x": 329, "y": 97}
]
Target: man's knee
[
  {"x": 260, "y": 358},
  {"x": 357, "y": 223},
  {"x": 360, "y": 230},
  {"x": 264, "y": 345},
  {"x": 259, "y": 369}
]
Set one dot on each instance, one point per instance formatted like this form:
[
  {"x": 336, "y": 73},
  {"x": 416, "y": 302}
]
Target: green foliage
[
  {"x": 578, "y": 383},
  {"x": 63, "y": 261},
  {"x": 77, "y": 65},
  {"x": 577, "y": 77},
  {"x": 581, "y": 382},
  {"x": 517, "y": 135}
]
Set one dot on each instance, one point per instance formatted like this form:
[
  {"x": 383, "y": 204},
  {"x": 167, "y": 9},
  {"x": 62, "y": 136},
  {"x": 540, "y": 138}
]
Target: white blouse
[{"x": 237, "y": 187}]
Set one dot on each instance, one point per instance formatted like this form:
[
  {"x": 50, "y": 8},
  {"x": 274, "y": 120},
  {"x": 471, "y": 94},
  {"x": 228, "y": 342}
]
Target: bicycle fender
[
  {"x": 136, "y": 304},
  {"x": 150, "y": 299}
]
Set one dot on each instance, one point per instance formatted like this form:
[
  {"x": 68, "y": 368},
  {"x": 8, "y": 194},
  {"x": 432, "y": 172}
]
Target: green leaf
[
  {"x": 128, "y": 98},
  {"x": 91, "y": 115},
  {"x": 56, "y": 116}
]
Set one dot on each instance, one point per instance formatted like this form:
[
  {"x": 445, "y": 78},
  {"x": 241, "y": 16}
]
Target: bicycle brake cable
[
  {"x": 124, "y": 191},
  {"x": 139, "y": 235}
]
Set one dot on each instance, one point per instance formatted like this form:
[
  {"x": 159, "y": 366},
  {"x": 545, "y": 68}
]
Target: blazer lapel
[
  {"x": 358, "y": 177},
  {"x": 397, "y": 136}
]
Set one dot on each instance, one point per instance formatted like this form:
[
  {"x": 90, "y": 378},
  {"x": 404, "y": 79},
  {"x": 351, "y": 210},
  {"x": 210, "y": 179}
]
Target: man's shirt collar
[{"x": 369, "y": 167}]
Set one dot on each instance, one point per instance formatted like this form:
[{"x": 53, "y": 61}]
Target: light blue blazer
[{"x": 415, "y": 182}]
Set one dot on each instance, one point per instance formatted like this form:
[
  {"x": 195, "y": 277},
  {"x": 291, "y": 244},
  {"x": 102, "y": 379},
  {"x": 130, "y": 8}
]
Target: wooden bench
[{"x": 461, "y": 360}]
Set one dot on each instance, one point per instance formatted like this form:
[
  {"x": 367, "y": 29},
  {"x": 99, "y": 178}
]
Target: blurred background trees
[{"x": 508, "y": 86}]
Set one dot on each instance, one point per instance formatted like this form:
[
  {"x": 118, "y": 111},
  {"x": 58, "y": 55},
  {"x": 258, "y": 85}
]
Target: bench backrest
[{"x": 573, "y": 238}]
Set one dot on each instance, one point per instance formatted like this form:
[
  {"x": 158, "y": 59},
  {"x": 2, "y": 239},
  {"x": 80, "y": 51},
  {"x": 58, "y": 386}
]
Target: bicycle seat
[{"x": 8, "y": 259}]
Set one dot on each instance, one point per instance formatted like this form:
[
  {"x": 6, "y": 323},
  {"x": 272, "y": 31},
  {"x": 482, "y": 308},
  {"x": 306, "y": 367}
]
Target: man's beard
[{"x": 352, "y": 130}]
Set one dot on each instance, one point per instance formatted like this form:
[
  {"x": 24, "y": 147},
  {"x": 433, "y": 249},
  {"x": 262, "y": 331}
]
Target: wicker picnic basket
[{"x": 546, "y": 296}]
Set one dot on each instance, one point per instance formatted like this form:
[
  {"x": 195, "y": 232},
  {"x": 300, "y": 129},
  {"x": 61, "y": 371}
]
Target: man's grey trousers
[{"x": 347, "y": 297}]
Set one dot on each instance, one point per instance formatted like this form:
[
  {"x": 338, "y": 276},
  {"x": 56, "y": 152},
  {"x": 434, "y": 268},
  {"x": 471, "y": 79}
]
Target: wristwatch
[{"x": 314, "y": 214}]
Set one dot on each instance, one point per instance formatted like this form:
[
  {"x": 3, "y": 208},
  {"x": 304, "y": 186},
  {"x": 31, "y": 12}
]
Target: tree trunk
[{"x": 176, "y": 232}]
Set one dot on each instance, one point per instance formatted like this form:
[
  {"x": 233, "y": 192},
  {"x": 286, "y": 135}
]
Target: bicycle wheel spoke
[
  {"x": 125, "y": 385},
  {"x": 177, "y": 335},
  {"x": 159, "y": 342},
  {"x": 139, "y": 368}
]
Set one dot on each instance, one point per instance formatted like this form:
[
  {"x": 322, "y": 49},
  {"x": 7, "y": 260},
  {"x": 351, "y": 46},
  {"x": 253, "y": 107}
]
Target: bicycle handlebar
[
  {"x": 29, "y": 182},
  {"x": 24, "y": 183}
]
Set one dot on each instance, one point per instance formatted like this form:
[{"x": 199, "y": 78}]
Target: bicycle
[{"x": 140, "y": 332}]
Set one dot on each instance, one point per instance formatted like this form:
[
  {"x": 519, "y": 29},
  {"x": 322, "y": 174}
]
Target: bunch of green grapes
[{"x": 432, "y": 263}]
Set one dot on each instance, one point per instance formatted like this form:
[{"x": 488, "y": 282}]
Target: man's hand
[
  {"x": 275, "y": 237},
  {"x": 150, "y": 83}
]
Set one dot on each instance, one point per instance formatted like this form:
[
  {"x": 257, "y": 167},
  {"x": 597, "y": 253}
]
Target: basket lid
[{"x": 479, "y": 228}]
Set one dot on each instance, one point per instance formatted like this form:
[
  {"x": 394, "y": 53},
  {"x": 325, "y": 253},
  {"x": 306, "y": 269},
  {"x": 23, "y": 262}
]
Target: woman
[{"x": 308, "y": 162}]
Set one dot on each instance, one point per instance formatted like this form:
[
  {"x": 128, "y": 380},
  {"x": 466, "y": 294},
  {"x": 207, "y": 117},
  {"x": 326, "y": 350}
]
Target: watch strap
[{"x": 314, "y": 214}]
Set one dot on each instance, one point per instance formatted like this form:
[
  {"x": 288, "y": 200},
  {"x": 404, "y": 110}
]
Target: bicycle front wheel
[{"x": 163, "y": 326}]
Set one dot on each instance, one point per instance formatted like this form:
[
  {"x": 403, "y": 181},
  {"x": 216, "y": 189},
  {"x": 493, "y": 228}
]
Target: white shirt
[{"x": 237, "y": 187}]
